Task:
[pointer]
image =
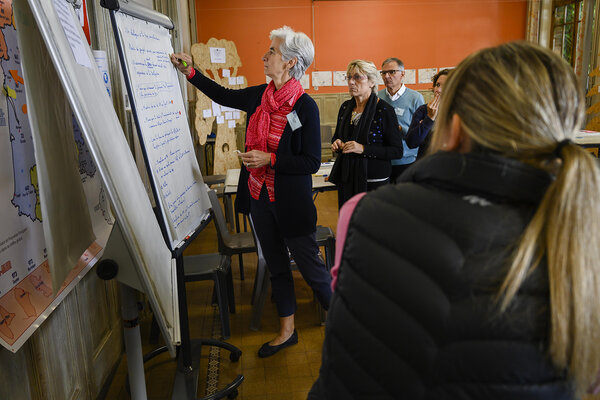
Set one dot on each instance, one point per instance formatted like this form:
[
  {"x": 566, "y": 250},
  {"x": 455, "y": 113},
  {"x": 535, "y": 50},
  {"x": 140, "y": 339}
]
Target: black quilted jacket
[{"x": 413, "y": 315}]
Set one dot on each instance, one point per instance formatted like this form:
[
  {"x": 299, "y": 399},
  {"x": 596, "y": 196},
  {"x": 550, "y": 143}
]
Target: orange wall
[{"x": 423, "y": 33}]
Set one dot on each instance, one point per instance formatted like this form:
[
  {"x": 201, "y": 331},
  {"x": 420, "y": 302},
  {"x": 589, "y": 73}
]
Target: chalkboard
[
  {"x": 69, "y": 60},
  {"x": 144, "y": 44}
]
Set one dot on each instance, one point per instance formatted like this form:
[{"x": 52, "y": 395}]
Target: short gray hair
[
  {"x": 295, "y": 44},
  {"x": 396, "y": 60}
]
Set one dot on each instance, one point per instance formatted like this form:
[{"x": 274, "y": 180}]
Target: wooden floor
[{"x": 287, "y": 375}]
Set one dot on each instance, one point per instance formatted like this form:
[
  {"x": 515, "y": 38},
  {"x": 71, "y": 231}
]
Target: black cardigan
[{"x": 298, "y": 156}]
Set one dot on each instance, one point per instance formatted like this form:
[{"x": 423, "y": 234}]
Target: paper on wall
[
  {"x": 231, "y": 123},
  {"x": 410, "y": 77},
  {"x": 236, "y": 115},
  {"x": 339, "y": 78},
  {"x": 207, "y": 113},
  {"x": 220, "y": 119},
  {"x": 226, "y": 73},
  {"x": 216, "y": 109},
  {"x": 240, "y": 80},
  {"x": 218, "y": 55},
  {"x": 232, "y": 80},
  {"x": 322, "y": 78},
  {"x": 426, "y": 74},
  {"x": 305, "y": 82}
]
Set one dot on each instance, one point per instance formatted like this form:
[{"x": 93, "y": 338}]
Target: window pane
[
  {"x": 557, "y": 40},
  {"x": 570, "y": 12},
  {"x": 559, "y": 15},
  {"x": 567, "y": 50}
]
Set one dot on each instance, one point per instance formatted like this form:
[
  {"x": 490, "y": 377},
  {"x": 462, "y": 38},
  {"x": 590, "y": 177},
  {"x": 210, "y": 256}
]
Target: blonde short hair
[{"x": 367, "y": 68}]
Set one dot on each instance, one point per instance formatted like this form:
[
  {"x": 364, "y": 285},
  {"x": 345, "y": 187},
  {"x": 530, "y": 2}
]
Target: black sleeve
[
  {"x": 392, "y": 139},
  {"x": 420, "y": 126},
  {"x": 338, "y": 125},
  {"x": 242, "y": 99},
  {"x": 308, "y": 160}
]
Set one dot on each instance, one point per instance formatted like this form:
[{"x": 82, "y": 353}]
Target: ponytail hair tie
[{"x": 558, "y": 149}]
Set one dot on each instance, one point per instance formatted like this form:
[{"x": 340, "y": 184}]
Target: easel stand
[{"x": 188, "y": 352}]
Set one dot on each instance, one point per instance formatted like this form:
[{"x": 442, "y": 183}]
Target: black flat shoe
[{"x": 266, "y": 350}]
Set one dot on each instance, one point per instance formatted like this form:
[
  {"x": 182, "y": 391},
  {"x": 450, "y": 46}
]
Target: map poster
[{"x": 26, "y": 293}]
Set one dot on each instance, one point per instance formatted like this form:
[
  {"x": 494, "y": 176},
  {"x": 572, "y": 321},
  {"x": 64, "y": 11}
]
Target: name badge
[
  {"x": 399, "y": 111},
  {"x": 293, "y": 120}
]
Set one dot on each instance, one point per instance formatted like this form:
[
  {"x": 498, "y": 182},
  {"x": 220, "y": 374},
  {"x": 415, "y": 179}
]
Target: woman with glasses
[
  {"x": 283, "y": 149},
  {"x": 418, "y": 134},
  {"x": 491, "y": 289},
  {"x": 366, "y": 136}
]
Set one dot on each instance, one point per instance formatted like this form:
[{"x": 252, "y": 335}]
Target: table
[{"x": 319, "y": 184}]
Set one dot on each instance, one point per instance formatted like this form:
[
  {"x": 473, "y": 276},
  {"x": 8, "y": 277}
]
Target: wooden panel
[
  {"x": 15, "y": 375},
  {"x": 60, "y": 363},
  {"x": 98, "y": 313}
]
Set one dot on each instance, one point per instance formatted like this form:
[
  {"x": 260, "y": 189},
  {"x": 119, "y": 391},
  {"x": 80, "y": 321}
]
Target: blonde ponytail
[
  {"x": 520, "y": 100},
  {"x": 565, "y": 230}
]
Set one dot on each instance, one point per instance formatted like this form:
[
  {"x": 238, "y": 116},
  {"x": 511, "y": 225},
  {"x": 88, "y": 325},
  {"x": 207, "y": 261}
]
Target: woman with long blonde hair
[{"x": 485, "y": 260}]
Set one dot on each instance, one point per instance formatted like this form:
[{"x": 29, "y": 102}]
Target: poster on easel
[
  {"x": 163, "y": 127},
  {"x": 27, "y": 292}
]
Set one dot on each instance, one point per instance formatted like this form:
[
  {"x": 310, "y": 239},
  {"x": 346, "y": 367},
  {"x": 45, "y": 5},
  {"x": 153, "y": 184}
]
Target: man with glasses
[{"x": 405, "y": 101}]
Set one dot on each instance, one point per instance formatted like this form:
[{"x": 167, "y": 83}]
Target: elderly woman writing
[
  {"x": 366, "y": 136},
  {"x": 283, "y": 149}
]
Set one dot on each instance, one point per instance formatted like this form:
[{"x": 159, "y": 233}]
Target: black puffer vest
[{"x": 413, "y": 315}]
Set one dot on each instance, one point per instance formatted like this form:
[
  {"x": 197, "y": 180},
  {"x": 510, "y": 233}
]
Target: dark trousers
[
  {"x": 275, "y": 247},
  {"x": 397, "y": 170}
]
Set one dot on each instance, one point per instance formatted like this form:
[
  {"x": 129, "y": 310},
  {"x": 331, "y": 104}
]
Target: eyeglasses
[
  {"x": 391, "y": 72},
  {"x": 356, "y": 77}
]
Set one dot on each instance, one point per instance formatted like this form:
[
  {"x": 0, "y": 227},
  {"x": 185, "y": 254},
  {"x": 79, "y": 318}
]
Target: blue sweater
[
  {"x": 404, "y": 106},
  {"x": 298, "y": 156}
]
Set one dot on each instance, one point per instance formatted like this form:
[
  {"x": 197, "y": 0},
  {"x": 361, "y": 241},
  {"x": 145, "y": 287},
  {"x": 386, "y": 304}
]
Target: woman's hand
[
  {"x": 255, "y": 158},
  {"x": 432, "y": 107},
  {"x": 178, "y": 59},
  {"x": 337, "y": 145},
  {"x": 353, "y": 147}
]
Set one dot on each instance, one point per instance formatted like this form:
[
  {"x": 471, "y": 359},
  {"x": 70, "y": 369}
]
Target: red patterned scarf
[{"x": 260, "y": 122}]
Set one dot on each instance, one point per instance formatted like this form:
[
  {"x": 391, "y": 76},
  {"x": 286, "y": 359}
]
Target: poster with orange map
[{"x": 26, "y": 293}]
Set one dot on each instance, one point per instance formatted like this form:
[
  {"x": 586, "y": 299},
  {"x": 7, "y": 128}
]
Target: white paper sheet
[
  {"x": 232, "y": 80},
  {"x": 410, "y": 77},
  {"x": 240, "y": 80},
  {"x": 216, "y": 109},
  {"x": 339, "y": 78},
  {"x": 226, "y": 72},
  {"x": 218, "y": 55},
  {"x": 425, "y": 74},
  {"x": 236, "y": 115},
  {"x": 102, "y": 64},
  {"x": 207, "y": 113},
  {"x": 220, "y": 119},
  {"x": 231, "y": 123},
  {"x": 305, "y": 82},
  {"x": 71, "y": 30},
  {"x": 322, "y": 78},
  {"x": 229, "y": 115}
]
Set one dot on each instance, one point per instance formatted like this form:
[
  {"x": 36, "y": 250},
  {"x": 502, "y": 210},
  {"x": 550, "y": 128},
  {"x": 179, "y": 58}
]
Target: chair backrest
[
  {"x": 259, "y": 252},
  {"x": 222, "y": 231}
]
